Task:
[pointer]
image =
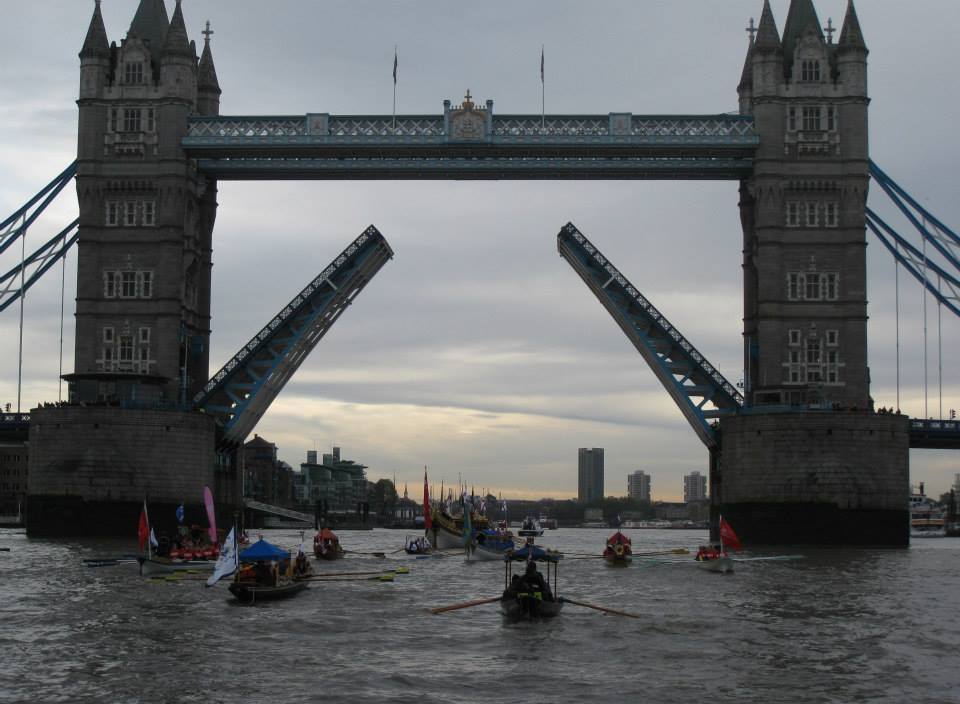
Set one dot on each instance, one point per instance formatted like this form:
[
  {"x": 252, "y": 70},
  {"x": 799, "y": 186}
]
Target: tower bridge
[{"x": 797, "y": 455}]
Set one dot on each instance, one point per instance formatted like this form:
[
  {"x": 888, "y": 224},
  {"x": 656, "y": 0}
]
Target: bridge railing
[{"x": 618, "y": 128}]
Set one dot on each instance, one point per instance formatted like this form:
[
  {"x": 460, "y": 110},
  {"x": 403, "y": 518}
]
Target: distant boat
[
  {"x": 530, "y": 527},
  {"x": 619, "y": 550},
  {"x": 927, "y": 517},
  {"x": 326, "y": 545},
  {"x": 714, "y": 558},
  {"x": 489, "y": 545}
]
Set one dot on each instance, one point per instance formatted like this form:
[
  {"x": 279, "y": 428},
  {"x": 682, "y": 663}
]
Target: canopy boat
[
  {"x": 619, "y": 550},
  {"x": 530, "y": 527},
  {"x": 528, "y": 595},
  {"x": 489, "y": 545},
  {"x": 326, "y": 545},
  {"x": 267, "y": 572}
]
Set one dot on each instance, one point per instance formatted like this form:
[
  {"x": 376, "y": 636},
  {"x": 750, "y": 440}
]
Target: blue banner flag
[{"x": 180, "y": 513}]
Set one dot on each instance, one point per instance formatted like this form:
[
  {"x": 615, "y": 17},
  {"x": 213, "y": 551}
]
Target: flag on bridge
[{"x": 394, "y": 65}]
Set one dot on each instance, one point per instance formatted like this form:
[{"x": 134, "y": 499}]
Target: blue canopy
[
  {"x": 262, "y": 550},
  {"x": 534, "y": 553}
]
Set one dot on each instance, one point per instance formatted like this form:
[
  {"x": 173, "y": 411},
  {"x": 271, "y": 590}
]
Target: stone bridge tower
[
  {"x": 808, "y": 460},
  {"x": 146, "y": 215},
  {"x": 143, "y": 294}
]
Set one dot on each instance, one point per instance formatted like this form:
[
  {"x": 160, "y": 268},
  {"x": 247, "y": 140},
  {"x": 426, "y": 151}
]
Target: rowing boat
[{"x": 530, "y": 596}]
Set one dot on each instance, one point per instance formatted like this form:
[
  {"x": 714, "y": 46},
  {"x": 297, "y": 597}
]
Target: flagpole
[
  {"x": 394, "y": 127},
  {"x": 543, "y": 94}
]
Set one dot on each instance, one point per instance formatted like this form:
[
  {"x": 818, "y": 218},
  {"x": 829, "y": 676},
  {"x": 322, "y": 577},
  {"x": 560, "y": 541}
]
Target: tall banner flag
[
  {"x": 211, "y": 514},
  {"x": 143, "y": 529},
  {"x": 427, "y": 523},
  {"x": 727, "y": 536},
  {"x": 228, "y": 560},
  {"x": 180, "y": 513},
  {"x": 394, "y": 64}
]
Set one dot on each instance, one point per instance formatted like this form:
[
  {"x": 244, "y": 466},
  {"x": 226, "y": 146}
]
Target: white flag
[
  {"x": 228, "y": 560},
  {"x": 153, "y": 538}
]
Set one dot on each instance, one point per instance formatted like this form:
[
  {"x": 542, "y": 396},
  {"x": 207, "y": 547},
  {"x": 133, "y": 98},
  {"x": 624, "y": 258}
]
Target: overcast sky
[{"x": 477, "y": 351}]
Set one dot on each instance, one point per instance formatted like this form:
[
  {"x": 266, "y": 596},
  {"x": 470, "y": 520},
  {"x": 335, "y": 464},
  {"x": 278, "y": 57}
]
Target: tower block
[
  {"x": 809, "y": 460},
  {"x": 143, "y": 287}
]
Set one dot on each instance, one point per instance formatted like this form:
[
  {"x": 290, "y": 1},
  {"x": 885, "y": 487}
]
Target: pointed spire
[
  {"x": 801, "y": 18},
  {"x": 96, "y": 43},
  {"x": 150, "y": 24},
  {"x": 851, "y": 36},
  {"x": 746, "y": 77},
  {"x": 767, "y": 36},
  {"x": 207, "y": 72},
  {"x": 176, "y": 42}
]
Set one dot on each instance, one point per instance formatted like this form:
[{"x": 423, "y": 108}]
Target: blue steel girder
[
  {"x": 612, "y": 146},
  {"x": 242, "y": 391},
  {"x": 940, "y": 283},
  {"x": 688, "y": 377}
]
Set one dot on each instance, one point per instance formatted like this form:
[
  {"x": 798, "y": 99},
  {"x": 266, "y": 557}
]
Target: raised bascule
[{"x": 797, "y": 456}]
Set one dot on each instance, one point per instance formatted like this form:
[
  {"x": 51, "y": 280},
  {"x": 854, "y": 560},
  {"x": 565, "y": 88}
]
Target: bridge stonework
[
  {"x": 92, "y": 467},
  {"x": 143, "y": 292},
  {"x": 805, "y": 304}
]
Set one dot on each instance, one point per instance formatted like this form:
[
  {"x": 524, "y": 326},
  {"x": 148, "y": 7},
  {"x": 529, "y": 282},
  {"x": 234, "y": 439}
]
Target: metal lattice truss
[
  {"x": 701, "y": 392},
  {"x": 242, "y": 391},
  {"x": 932, "y": 231},
  {"x": 17, "y": 280},
  {"x": 612, "y": 146},
  {"x": 940, "y": 283}
]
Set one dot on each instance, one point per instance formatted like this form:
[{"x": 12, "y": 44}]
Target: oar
[
  {"x": 464, "y": 605},
  {"x": 375, "y": 554},
  {"x": 385, "y": 577},
  {"x": 401, "y": 570},
  {"x": 4, "y": 549},
  {"x": 598, "y": 608},
  {"x": 674, "y": 551}
]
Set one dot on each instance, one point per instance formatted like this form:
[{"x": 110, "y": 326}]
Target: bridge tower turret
[
  {"x": 805, "y": 305},
  {"x": 808, "y": 461},
  {"x": 146, "y": 215}
]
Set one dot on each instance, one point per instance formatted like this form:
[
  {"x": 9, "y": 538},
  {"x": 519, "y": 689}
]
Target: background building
[
  {"x": 638, "y": 485},
  {"x": 340, "y": 484},
  {"x": 266, "y": 478},
  {"x": 590, "y": 473},
  {"x": 694, "y": 487}
]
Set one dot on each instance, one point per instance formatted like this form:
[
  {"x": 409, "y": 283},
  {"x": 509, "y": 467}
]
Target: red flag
[
  {"x": 143, "y": 530},
  {"x": 727, "y": 536},
  {"x": 427, "y": 523}
]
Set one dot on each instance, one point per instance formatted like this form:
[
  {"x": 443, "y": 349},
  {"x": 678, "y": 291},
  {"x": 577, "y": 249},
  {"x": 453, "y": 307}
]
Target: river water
[{"x": 833, "y": 626}]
